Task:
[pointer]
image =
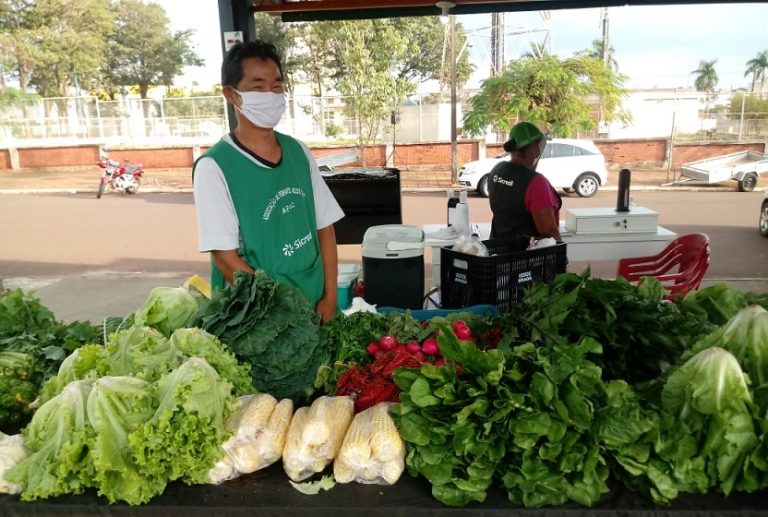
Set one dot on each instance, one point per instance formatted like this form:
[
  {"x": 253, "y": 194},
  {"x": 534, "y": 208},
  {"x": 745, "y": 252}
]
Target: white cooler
[{"x": 393, "y": 266}]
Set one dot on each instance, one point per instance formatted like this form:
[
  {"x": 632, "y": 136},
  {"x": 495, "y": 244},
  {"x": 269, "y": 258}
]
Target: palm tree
[
  {"x": 706, "y": 81},
  {"x": 597, "y": 53},
  {"x": 757, "y": 68}
]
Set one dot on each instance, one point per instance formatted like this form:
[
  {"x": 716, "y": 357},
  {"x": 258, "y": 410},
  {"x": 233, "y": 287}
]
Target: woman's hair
[{"x": 232, "y": 67}]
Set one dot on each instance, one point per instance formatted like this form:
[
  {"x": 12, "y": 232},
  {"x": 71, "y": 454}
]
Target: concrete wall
[{"x": 638, "y": 153}]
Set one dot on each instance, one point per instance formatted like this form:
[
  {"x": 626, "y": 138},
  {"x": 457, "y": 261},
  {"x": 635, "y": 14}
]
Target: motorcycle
[{"x": 123, "y": 177}]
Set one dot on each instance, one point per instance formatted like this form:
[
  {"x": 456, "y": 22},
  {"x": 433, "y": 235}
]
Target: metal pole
[
  {"x": 741, "y": 120},
  {"x": 671, "y": 137},
  {"x": 454, "y": 143},
  {"x": 98, "y": 118}
]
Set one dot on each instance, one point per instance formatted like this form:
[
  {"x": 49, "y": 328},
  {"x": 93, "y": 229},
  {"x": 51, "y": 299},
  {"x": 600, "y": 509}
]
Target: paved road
[{"x": 150, "y": 239}]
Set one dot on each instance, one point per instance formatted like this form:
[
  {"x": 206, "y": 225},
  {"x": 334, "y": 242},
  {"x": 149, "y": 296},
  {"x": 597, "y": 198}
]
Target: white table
[{"x": 581, "y": 248}]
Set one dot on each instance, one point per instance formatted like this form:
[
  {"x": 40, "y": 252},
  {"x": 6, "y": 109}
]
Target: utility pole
[
  {"x": 497, "y": 43},
  {"x": 454, "y": 121},
  {"x": 606, "y": 39}
]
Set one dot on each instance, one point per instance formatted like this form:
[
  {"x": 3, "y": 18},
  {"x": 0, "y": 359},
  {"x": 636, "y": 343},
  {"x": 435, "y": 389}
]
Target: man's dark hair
[{"x": 232, "y": 68}]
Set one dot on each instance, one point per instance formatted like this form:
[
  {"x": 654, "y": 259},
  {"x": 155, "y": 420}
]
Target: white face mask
[{"x": 263, "y": 109}]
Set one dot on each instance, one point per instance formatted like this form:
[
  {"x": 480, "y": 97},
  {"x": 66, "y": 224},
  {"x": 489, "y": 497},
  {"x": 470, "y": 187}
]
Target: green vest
[{"x": 276, "y": 213}]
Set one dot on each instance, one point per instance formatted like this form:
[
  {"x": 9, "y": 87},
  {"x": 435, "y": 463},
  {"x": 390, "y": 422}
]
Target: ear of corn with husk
[
  {"x": 372, "y": 451},
  {"x": 259, "y": 428},
  {"x": 315, "y": 436}
]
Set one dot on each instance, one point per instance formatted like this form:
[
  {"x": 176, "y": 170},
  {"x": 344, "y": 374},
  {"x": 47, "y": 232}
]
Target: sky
[{"x": 655, "y": 46}]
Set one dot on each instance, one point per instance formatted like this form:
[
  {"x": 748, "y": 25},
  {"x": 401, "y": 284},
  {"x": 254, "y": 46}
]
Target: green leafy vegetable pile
[
  {"x": 641, "y": 334},
  {"x": 273, "y": 327},
  {"x": 33, "y": 344},
  {"x": 522, "y": 416},
  {"x": 131, "y": 416}
]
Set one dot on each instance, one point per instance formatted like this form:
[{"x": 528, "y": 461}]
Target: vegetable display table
[{"x": 268, "y": 492}]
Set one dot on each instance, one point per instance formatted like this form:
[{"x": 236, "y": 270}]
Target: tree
[
  {"x": 757, "y": 67},
  {"x": 549, "y": 91},
  {"x": 375, "y": 64},
  {"x": 597, "y": 52},
  {"x": 706, "y": 79},
  {"x": 143, "y": 51},
  {"x": 56, "y": 44}
]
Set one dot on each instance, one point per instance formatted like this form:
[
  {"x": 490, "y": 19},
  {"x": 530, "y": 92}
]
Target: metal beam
[{"x": 316, "y": 10}]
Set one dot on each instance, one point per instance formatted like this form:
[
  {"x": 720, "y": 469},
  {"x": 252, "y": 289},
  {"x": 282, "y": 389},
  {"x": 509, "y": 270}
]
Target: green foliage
[
  {"x": 757, "y": 67},
  {"x": 754, "y": 107},
  {"x": 549, "y": 91},
  {"x": 375, "y": 64},
  {"x": 706, "y": 76},
  {"x": 10, "y": 97},
  {"x": 142, "y": 50}
]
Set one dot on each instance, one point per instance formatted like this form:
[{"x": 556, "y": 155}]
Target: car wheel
[
  {"x": 482, "y": 187},
  {"x": 748, "y": 182},
  {"x": 764, "y": 219},
  {"x": 587, "y": 184}
]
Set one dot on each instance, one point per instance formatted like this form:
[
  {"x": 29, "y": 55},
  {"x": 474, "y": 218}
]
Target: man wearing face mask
[
  {"x": 523, "y": 201},
  {"x": 260, "y": 198}
]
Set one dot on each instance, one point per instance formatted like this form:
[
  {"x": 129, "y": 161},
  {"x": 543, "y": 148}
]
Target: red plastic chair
[{"x": 680, "y": 266}]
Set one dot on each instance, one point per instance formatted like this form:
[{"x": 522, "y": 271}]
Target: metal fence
[{"x": 679, "y": 114}]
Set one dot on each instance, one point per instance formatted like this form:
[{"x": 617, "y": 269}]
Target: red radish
[
  {"x": 420, "y": 356},
  {"x": 463, "y": 333},
  {"x": 373, "y": 349},
  {"x": 413, "y": 347},
  {"x": 430, "y": 347},
  {"x": 440, "y": 362},
  {"x": 459, "y": 324},
  {"x": 387, "y": 343},
  {"x": 401, "y": 348}
]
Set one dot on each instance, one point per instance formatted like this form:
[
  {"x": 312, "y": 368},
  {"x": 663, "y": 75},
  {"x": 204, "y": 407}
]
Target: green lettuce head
[{"x": 166, "y": 309}]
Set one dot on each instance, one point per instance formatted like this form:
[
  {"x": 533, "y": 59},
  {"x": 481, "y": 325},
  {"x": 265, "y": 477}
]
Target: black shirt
[{"x": 508, "y": 183}]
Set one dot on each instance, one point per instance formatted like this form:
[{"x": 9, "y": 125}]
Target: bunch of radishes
[{"x": 428, "y": 350}]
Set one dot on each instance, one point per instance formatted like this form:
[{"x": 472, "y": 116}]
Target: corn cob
[
  {"x": 293, "y": 460},
  {"x": 372, "y": 450}
]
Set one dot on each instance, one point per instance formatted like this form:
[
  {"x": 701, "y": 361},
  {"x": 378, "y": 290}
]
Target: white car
[{"x": 569, "y": 164}]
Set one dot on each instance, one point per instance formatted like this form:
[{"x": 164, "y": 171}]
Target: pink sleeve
[{"x": 539, "y": 195}]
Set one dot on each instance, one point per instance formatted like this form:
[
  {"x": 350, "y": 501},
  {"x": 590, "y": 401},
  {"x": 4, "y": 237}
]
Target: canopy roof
[{"x": 311, "y": 10}]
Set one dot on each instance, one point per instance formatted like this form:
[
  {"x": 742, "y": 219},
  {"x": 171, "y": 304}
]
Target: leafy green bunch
[
  {"x": 125, "y": 436},
  {"x": 272, "y": 326},
  {"x": 521, "y": 415},
  {"x": 32, "y": 345}
]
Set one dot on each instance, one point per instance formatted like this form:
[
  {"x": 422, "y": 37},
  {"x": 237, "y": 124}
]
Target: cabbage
[{"x": 166, "y": 309}]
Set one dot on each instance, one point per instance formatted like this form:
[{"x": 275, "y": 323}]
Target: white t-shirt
[{"x": 217, "y": 224}]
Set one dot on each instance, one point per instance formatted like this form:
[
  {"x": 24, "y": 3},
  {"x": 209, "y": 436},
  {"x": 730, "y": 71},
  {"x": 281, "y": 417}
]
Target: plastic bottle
[
  {"x": 452, "y": 202},
  {"x": 462, "y": 214}
]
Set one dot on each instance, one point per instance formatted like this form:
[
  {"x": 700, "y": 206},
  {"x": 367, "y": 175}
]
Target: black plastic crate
[{"x": 500, "y": 279}]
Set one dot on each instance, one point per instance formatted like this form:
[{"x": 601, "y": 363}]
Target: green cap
[{"x": 521, "y": 135}]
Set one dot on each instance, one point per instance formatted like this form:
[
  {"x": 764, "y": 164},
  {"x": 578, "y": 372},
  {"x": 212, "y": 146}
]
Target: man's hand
[{"x": 326, "y": 308}]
